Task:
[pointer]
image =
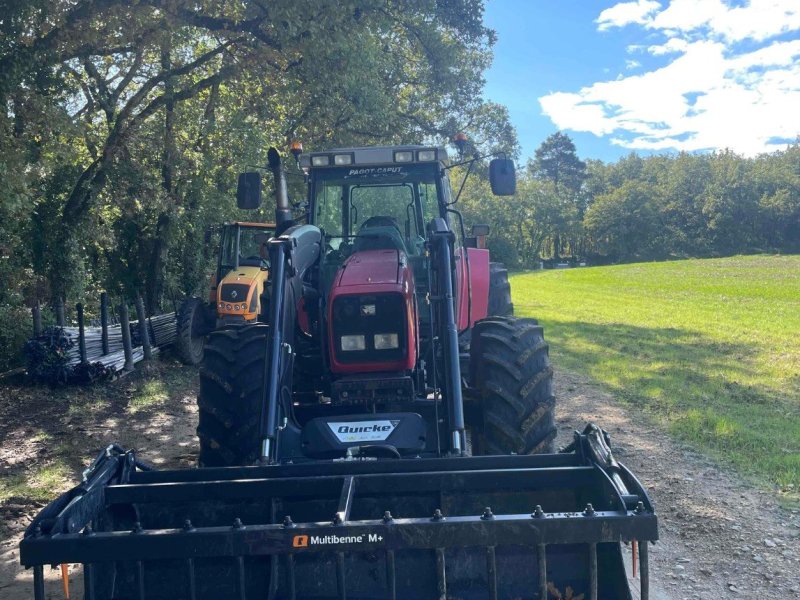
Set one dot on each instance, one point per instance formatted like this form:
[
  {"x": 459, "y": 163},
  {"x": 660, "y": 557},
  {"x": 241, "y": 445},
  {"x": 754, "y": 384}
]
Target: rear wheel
[
  {"x": 229, "y": 401},
  {"x": 499, "y": 291},
  {"x": 510, "y": 371},
  {"x": 193, "y": 326}
]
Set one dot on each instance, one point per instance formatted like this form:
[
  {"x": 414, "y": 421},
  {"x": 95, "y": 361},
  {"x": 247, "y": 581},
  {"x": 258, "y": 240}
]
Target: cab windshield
[
  {"x": 360, "y": 204},
  {"x": 252, "y": 246}
]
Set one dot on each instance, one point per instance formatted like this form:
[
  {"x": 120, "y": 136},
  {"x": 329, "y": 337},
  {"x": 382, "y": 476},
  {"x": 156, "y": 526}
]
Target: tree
[
  {"x": 128, "y": 121},
  {"x": 624, "y": 223},
  {"x": 556, "y": 161}
]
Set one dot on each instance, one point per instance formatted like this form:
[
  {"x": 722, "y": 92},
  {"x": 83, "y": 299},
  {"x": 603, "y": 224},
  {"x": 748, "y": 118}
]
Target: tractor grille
[
  {"x": 234, "y": 292},
  {"x": 388, "y": 317}
]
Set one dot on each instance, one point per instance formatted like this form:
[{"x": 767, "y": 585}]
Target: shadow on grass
[{"x": 705, "y": 390}]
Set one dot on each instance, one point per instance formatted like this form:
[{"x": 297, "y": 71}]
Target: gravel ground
[{"x": 720, "y": 537}]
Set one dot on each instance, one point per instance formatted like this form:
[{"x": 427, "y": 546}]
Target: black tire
[
  {"x": 192, "y": 330},
  {"x": 229, "y": 401},
  {"x": 499, "y": 291},
  {"x": 511, "y": 374}
]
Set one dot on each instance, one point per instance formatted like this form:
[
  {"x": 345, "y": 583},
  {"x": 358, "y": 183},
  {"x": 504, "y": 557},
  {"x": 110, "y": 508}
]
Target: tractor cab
[
  {"x": 242, "y": 272},
  {"x": 376, "y": 200}
]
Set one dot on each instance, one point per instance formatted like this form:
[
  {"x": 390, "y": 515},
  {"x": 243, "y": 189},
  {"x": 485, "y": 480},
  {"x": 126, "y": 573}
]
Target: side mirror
[
  {"x": 503, "y": 177},
  {"x": 248, "y": 191}
]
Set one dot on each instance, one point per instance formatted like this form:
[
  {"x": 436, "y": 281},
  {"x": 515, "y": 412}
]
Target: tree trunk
[{"x": 157, "y": 272}]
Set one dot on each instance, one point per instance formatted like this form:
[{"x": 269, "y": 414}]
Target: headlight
[
  {"x": 342, "y": 159},
  {"x": 425, "y": 155},
  {"x": 228, "y": 307},
  {"x": 320, "y": 161},
  {"x": 386, "y": 341},
  {"x": 353, "y": 342},
  {"x": 403, "y": 156},
  {"x": 222, "y": 305}
]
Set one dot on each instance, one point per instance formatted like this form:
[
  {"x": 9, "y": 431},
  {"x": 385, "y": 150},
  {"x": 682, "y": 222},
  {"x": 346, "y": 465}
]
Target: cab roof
[{"x": 377, "y": 155}]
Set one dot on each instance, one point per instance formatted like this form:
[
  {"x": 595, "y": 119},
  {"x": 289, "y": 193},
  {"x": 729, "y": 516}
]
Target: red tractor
[
  {"x": 382, "y": 310},
  {"x": 358, "y": 444}
]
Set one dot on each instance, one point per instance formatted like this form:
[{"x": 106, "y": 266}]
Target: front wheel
[
  {"x": 192, "y": 328},
  {"x": 510, "y": 371},
  {"x": 231, "y": 381},
  {"x": 500, "y": 303}
]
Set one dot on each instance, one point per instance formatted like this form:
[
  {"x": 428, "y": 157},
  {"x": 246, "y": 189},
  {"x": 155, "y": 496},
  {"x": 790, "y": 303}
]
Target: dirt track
[{"x": 720, "y": 537}]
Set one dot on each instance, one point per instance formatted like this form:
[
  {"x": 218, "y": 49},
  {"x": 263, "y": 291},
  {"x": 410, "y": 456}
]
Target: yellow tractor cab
[
  {"x": 236, "y": 290},
  {"x": 242, "y": 270}
]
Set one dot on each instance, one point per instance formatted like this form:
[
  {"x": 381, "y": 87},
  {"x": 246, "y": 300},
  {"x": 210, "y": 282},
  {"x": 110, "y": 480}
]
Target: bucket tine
[
  {"x": 240, "y": 569},
  {"x": 88, "y": 580},
  {"x": 592, "y": 571},
  {"x": 192, "y": 583},
  {"x": 644, "y": 571},
  {"x": 38, "y": 582},
  {"x": 441, "y": 583},
  {"x": 140, "y": 579},
  {"x": 542, "y": 572},
  {"x": 290, "y": 577},
  {"x": 391, "y": 579},
  {"x": 340, "y": 580},
  {"x": 491, "y": 568}
]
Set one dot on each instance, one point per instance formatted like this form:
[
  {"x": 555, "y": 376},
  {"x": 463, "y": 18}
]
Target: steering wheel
[{"x": 380, "y": 221}]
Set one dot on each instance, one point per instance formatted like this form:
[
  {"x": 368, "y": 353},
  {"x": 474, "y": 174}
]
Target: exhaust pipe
[{"x": 283, "y": 212}]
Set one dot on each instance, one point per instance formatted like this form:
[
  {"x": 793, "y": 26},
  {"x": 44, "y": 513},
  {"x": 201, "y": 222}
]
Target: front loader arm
[{"x": 291, "y": 255}]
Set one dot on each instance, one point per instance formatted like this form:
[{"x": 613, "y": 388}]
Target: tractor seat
[{"x": 379, "y": 233}]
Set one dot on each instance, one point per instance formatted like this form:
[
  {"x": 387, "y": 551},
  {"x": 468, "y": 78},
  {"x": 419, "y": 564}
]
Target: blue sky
[{"x": 648, "y": 75}]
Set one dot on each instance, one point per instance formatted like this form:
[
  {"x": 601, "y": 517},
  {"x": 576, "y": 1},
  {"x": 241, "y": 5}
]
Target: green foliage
[
  {"x": 556, "y": 160},
  {"x": 710, "y": 347},
  {"x": 656, "y": 207},
  {"x": 125, "y": 124},
  {"x": 15, "y": 328}
]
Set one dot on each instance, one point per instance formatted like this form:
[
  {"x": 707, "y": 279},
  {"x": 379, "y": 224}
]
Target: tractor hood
[
  {"x": 372, "y": 298},
  {"x": 374, "y": 268},
  {"x": 237, "y": 293}
]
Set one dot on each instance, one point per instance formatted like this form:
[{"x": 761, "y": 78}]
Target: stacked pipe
[{"x": 54, "y": 356}]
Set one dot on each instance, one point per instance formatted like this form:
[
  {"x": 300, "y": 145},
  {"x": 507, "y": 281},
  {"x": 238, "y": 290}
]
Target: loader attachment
[{"x": 493, "y": 527}]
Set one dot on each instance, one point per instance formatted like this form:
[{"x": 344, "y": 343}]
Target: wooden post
[
  {"x": 81, "y": 332},
  {"x": 60, "y": 320},
  {"x": 143, "y": 333},
  {"x": 37, "y": 319},
  {"x": 104, "y": 321},
  {"x": 125, "y": 324}
]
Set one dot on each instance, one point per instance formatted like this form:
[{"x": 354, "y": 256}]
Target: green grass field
[{"x": 709, "y": 347}]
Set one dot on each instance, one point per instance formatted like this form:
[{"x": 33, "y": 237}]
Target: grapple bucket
[{"x": 501, "y": 527}]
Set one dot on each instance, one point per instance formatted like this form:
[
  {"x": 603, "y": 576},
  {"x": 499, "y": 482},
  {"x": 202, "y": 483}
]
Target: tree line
[
  {"x": 126, "y": 124},
  {"x": 642, "y": 208}
]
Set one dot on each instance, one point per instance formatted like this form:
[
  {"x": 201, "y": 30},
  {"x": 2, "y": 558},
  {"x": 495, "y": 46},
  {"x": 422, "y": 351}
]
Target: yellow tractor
[{"x": 236, "y": 292}]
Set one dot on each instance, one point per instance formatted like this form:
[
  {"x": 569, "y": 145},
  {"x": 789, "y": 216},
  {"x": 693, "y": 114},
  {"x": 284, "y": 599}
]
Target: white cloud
[
  {"x": 713, "y": 92},
  {"x": 672, "y": 46},
  {"x": 757, "y": 20},
  {"x": 626, "y": 13},
  {"x": 632, "y": 64}
]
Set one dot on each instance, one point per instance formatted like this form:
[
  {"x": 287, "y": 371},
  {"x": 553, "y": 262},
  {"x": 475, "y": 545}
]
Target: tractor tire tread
[
  {"x": 510, "y": 368},
  {"x": 231, "y": 380}
]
